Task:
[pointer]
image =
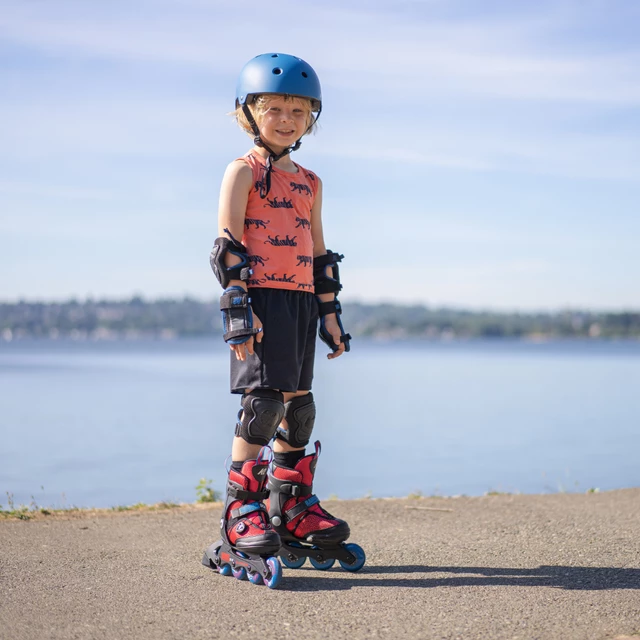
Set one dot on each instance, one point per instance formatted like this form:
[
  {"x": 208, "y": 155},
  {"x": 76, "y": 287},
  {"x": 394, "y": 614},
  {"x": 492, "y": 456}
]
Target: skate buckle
[{"x": 248, "y": 508}]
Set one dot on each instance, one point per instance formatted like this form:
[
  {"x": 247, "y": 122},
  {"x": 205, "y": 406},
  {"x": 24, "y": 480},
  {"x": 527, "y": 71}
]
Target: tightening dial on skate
[{"x": 248, "y": 544}]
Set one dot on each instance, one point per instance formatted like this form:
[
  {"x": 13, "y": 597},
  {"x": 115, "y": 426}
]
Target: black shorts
[{"x": 284, "y": 359}]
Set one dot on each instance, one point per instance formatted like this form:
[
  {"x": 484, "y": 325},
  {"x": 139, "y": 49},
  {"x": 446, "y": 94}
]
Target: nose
[{"x": 286, "y": 114}]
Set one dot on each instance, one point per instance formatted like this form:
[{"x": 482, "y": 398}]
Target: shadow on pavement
[{"x": 559, "y": 577}]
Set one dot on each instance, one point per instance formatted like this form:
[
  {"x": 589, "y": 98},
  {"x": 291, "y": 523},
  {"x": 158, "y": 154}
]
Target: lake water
[{"x": 114, "y": 423}]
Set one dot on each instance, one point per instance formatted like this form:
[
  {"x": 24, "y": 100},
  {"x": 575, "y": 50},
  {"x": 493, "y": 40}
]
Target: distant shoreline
[
  {"x": 168, "y": 319},
  {"x": 375, "y": 339}
]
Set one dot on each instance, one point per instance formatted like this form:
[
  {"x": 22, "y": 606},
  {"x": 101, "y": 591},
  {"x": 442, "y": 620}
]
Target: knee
[
  {"x": 300, "y": 414},
  {"x": 262, "y": 412}
]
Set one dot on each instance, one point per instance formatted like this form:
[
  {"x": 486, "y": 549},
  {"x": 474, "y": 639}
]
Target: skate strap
[
  {"x": 246, "y": 509},
  {"x": 301, "y": 507},
  {"x": 241, "y": 494},
  {"x": 292, "y": 488}
]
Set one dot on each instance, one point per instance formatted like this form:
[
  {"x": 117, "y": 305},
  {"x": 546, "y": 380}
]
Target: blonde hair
[{"x": 260, "y": 106}]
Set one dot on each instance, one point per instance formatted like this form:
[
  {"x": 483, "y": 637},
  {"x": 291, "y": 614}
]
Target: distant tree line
[{"x": 109, "y": 319}]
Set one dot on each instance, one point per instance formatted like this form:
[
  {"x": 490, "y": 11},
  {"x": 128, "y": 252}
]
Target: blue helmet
[{"x": 278, "y": 73}]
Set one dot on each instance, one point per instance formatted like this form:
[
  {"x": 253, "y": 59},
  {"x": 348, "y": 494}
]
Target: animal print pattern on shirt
[{"x": 277, "y": 229}]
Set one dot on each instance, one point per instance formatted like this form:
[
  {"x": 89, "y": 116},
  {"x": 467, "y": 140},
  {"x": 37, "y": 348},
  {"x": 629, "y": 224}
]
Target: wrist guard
[
  {"x": 237, "y": 318},
  {"x": 323, "y": 283},
  {"x": 324, "y": 309},
  {"x": 241, "y": 271}
]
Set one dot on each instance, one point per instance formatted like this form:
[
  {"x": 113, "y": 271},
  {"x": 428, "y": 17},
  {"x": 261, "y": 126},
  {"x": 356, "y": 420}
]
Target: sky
[{"x": 479, "y": 155}]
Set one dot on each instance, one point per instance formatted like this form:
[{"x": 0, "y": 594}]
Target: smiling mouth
[{"x": 285, "y": 133}]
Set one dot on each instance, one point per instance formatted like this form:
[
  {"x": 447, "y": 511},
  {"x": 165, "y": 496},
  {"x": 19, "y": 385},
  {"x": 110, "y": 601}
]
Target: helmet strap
[{"x": 273, "y": 156}]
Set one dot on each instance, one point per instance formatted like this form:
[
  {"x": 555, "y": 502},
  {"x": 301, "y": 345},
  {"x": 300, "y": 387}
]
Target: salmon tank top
[{"x": 277, "y": 229}]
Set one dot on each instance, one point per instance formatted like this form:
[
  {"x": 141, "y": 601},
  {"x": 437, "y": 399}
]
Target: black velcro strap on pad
[
  {"x": 324, "y": 283},
  {"x": 329, "y": 258},
  {"x": 332, "y": 306},
  {"x": 234, "y": 299}
]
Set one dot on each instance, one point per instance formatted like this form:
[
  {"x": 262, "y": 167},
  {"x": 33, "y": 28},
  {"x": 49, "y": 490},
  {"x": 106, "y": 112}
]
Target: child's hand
[
  {"x": 241, "y": 350},
  {"x": 331, "y": 325}
]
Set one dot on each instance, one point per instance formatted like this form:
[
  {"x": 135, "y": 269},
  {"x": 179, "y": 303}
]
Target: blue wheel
[
  {"x": 358, "y": 552},
  {"x": 239, "y": 573},
  {"x": 224, "y": 570},
  {"x": 276, "y": 573},
  {"x": 322, "y": 566},
  {"x": 288, "y": 562},
  {"x": 254, "y": 577}
]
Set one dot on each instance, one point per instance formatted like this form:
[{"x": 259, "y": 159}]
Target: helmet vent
[
  {"x": 275, "y": 55},
  {"x": 304, "y": 74},
  {"x": 277, "y": 71}
]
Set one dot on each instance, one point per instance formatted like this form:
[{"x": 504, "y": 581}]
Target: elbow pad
[
  {"x": 324, "y": 283},
  {"x": 241, "y": 271}
]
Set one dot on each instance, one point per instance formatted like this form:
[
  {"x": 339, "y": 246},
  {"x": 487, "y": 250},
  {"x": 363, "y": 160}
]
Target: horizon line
[{"x": 350, "y": 300}]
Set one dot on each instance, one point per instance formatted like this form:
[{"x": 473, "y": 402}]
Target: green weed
[{"x": 205, "y": 491}]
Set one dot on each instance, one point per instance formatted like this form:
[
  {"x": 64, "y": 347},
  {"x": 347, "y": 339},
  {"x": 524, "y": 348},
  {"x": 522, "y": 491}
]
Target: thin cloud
[{"x": 506, "y": 59}]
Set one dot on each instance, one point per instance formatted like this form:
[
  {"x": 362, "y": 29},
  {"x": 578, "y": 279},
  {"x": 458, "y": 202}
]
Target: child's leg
[
  {"x": 294, "y": 432},
  {"x": 245, "y": 519},
  {"x": 248, "y": 539},
  {"x": 295, "y": 512}
]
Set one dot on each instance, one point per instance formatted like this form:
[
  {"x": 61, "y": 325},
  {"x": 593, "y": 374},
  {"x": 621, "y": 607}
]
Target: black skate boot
[
  {"x": 249, "y": 543},
  {"x": 306, "y": 529}
]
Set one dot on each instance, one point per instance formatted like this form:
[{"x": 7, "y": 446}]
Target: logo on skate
[
  {"x": 259, "y": 471},
  {"x": 284, "y": 278},
  {"x": 300, "y": 188},
  {"x": 302, "y": 260},
  {"x": 254, "y": 260},
  {"x": 259, "y": 224},
  {"x": 279, "y": 204},
  {"x": 285, "y": 242},
  {"x": 303, "y": 222}
]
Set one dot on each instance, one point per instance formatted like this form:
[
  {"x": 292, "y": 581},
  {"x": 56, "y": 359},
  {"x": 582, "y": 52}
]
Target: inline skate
[
  {"x": 249, "y": 545},
  {"x": 306, "y": 529}
]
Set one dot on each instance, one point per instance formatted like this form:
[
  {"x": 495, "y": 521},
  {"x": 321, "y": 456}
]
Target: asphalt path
[{"x": 554, "y": 566}]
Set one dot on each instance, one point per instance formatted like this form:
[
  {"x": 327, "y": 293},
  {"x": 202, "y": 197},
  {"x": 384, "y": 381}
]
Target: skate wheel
[
  {"x": 276, "y": 573},
  {"x": 254, "y": 577},
  {"x": 358, "y": 552},
  {"x": 239, "y": 573},
  {"x": 288, "y": 561},
  {"x": 224, "y": 570},
  {"x": 321, "y": 565}
]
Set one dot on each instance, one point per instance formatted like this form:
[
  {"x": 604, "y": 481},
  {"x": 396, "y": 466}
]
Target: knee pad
[
  {"x": 300, "y": 414},
  {"x": 262, "y": 412}
]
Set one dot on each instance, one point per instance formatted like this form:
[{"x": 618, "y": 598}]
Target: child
[{"x": 278, "y": 280}]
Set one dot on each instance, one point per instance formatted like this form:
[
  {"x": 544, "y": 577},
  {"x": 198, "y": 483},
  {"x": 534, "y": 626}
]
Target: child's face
[{"x": 284, "y": 121}]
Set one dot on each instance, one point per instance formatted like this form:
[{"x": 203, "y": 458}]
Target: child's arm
[
  {"x": 234, "y": 194},
  {"x": 319, "y": 249}
]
